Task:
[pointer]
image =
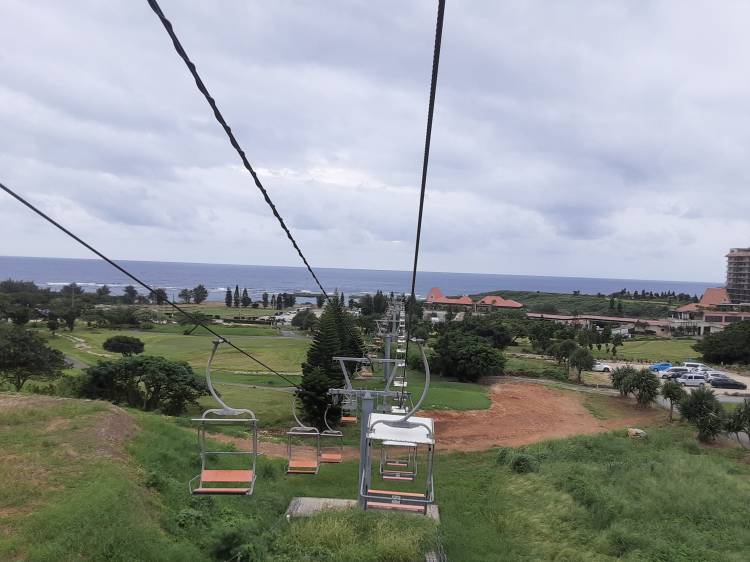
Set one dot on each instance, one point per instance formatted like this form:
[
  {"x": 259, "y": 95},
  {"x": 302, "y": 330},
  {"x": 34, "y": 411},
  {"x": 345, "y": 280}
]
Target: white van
[
  {"x": 695, "y": 366},
  {"x": 692, "y": 379}
]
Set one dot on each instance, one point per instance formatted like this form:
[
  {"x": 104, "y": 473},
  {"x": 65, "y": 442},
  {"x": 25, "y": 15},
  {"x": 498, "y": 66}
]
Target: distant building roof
[
  {"x": 436, "y": 296},
  {"x": 715, "y": 296},
  {"x": 500, "y": 302}
]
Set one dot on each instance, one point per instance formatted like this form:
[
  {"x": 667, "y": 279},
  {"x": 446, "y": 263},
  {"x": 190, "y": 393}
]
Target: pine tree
[
  {"x": 246, "y": 300},
  {"x": 228, "y": 298},
  {"x": 265, "y": 300},
  {"x": 236, "y": 296},
  {"x": 273, "y": 301}
]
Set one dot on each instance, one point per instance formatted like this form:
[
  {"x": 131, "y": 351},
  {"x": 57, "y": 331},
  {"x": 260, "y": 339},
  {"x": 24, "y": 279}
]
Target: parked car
[
  {"x": 674, "y": 372},
  {"x": 659, "y": 367},
  {"x": 692, "y": 379},
  {"x": 601, "y": 367},
  {"x": 728, "y": 383},
  {"x": 694, "y": 366},
  {"x": 711, "y": 375}
]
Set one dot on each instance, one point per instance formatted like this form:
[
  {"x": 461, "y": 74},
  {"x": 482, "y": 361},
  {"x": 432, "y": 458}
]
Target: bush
[
  {"x": 467, "y": 357},
  {"x": 126, "y": 345},
  {"x": 148, "y": 383},
  {"x": 504, "y": 455},
  {"x": 622, "y": 379},
  {"x": 524, "y": 463},
  {"x": 731, "y": 345},
  {"x": 702, "y": 408},
  {"x": 645, "y": 385}
]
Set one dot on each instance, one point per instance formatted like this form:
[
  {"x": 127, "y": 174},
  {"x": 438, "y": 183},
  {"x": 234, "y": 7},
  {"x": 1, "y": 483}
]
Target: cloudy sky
[{"x": 605, "y": 139}]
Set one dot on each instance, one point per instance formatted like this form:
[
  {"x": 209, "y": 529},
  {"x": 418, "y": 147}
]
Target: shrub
[
  {"x": 731, "y": 345},
  {"x": 672, "y": 391},
  {"x": 524, "y": 463},
  {"x": 702, "y": 408},
  {"x": 645, "y": 385},
  {"x": 467, "y": 357},
  {"x": 504, "y": 455},
  {"x": 126, "y": 345},
  {"x": 622, "y": 379}
]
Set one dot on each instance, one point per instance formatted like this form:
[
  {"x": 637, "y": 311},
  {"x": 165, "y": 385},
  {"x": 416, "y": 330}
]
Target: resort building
[
  {"x": 437, "y": 301},
  {"x": 712, "y": 313},
  {"x": 738, "y": 275}
]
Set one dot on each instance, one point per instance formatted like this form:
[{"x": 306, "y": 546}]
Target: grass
[
  {"x": 598, "y": 498},
  {"x": 227, "y": 330},
  {"x": 654, "y": 350},
  {"x": 280, "y": 353},
  {"x": 531, "y": 367},
  {"x": 603, "y": 407},
  {"x": 603, "y": 497},
  {"x": 272, "y": 407}
]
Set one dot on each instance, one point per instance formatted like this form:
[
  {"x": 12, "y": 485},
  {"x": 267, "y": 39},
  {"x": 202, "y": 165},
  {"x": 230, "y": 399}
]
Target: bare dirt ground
[
  {"x": 526, "y": 413},
  {"x": 521, "y": 413}
]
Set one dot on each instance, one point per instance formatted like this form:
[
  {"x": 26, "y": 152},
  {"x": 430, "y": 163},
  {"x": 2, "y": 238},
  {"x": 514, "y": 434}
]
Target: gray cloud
[{"x": 605, "y": 139}]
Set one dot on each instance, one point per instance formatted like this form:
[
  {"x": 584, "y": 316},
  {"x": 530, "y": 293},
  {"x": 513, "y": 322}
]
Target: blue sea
[{"x": 173, "y": 276}]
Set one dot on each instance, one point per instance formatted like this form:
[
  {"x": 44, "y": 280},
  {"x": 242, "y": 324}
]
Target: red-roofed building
[
  {"x": 436, "y": 300},
  {"x": 712, "y": 313}
]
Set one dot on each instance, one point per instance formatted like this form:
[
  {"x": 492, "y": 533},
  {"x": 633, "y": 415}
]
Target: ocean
[{"x": 173, "y": 276}]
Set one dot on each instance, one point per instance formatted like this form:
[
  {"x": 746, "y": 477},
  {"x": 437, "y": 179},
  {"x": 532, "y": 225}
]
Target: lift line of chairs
[{"x": 393, "y": 428}]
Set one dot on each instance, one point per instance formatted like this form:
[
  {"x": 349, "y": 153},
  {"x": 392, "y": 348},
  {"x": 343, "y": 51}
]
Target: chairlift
[
  {"x": 225, "y": 472},
  {"x": 399, "y": 437},
  {"x": 332, "y": 442},
  {"x": 300, "y": 460}
]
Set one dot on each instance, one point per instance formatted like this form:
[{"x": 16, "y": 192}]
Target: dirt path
[
  {"x": 278, "y": 450},
  {"x": 525, "y": 413}
]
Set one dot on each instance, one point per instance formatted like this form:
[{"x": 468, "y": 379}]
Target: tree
[
  {"x": 581, "y": 359},
  {"x": 566, "y": 350},
  {"x": 265, "y": 299},
  {"x": 273, "y": 301},
  {"x": 319, "y": 372},
  {"x": 129, "y": 294},
  {"x": 245, "y": 300},
  {"x": 305, "y": 320},
  {"x": 673, "y": 392},
  {"x": 103, "y": 292},
  {"x": 467, "y": 357},
  {"x": 158, "y": 296},
  {"x": 53, "y": 325},
  {"x": 69, "y": 316},
  {"x": 379, "y": 302},
  {"x": 731, "y": 345},
  {"x": 541, "y": 333},
  {"x": 736, "y": 422},
  {"x": 645, "y": 386},
  {"x": 186, "y": 295},
  {"x": 200, "y": 294},
  {"x": 25, "y": 356},
  {"x": 20, "y": 316},
  {"x": 236, "y": 296},
  {"x": 145, "y": 382},
  {"x": 702, "y": 408},
  {"x": 228, "y": 298},
  {"x": 126, "y": 345},
  {"x": 319, "y": 300},
  {"x": 617, "y": 341},
  {"x": 491, "y": 327},
  {"x": 622, "y": 379}
]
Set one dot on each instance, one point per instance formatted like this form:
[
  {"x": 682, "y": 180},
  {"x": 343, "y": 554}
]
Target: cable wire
[
  {"x": 232, "y": 139},
  {"x": 141, "y": 283},
  {"x": 425, "y": 162}
]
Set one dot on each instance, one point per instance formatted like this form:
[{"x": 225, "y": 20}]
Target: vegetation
[
  {"x": 702, "y": 408},
  {"x": 644, "y": 306},
  {"x": 305, "y": 319},
  {"x": 467, "y": 357},
  {"x": 581, "y": 359},
  {"x": 24, "y": 356},
  {"x": 127, "y": 345},
  {"x": 674, "y": 393},
  {"x": 731, "y": 345},
  {"x": 144, "y": 382},
  {"x": 653, "y": 350},
  {"x": 335, "y": 336}
]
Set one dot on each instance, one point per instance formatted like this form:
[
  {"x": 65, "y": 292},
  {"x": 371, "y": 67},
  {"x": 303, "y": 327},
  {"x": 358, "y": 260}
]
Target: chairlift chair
[
  {"x": 215, "y": 477},
  {"x": 332, "y": 443},
  {"x": 398, "y": 460},
  {"x": 300, "y": 460}
]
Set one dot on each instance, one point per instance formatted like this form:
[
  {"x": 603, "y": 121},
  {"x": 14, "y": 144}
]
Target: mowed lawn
[
  {"x": 673, "y": 350},
  {"x": 277, "y": 352}
]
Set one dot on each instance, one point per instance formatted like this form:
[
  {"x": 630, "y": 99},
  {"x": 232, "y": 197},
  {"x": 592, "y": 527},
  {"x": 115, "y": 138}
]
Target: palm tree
[{"x": 672, "y": 391}]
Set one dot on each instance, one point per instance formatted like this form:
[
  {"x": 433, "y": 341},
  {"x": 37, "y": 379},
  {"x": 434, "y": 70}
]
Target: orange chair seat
[
  {"x": 330, "y": 457},
  {"x": 227, "y": 476},
  {"x": 396, "y": 506},
  {"x": 228, "y": 491},
  {"x": 389, "y": 493}
]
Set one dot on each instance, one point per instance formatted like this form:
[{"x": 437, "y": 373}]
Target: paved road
[{"x": 75, "y": 363}]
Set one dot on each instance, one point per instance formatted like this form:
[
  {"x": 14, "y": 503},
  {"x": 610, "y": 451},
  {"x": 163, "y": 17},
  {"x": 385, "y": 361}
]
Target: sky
[{"x": 599, "y": 139}]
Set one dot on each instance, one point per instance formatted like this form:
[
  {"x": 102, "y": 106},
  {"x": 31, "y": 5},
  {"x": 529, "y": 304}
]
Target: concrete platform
[{"x": 306, "y": 507}]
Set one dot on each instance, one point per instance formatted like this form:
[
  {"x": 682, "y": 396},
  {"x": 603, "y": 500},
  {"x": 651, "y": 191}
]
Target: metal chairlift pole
[{"x": 368, "y": 403}]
